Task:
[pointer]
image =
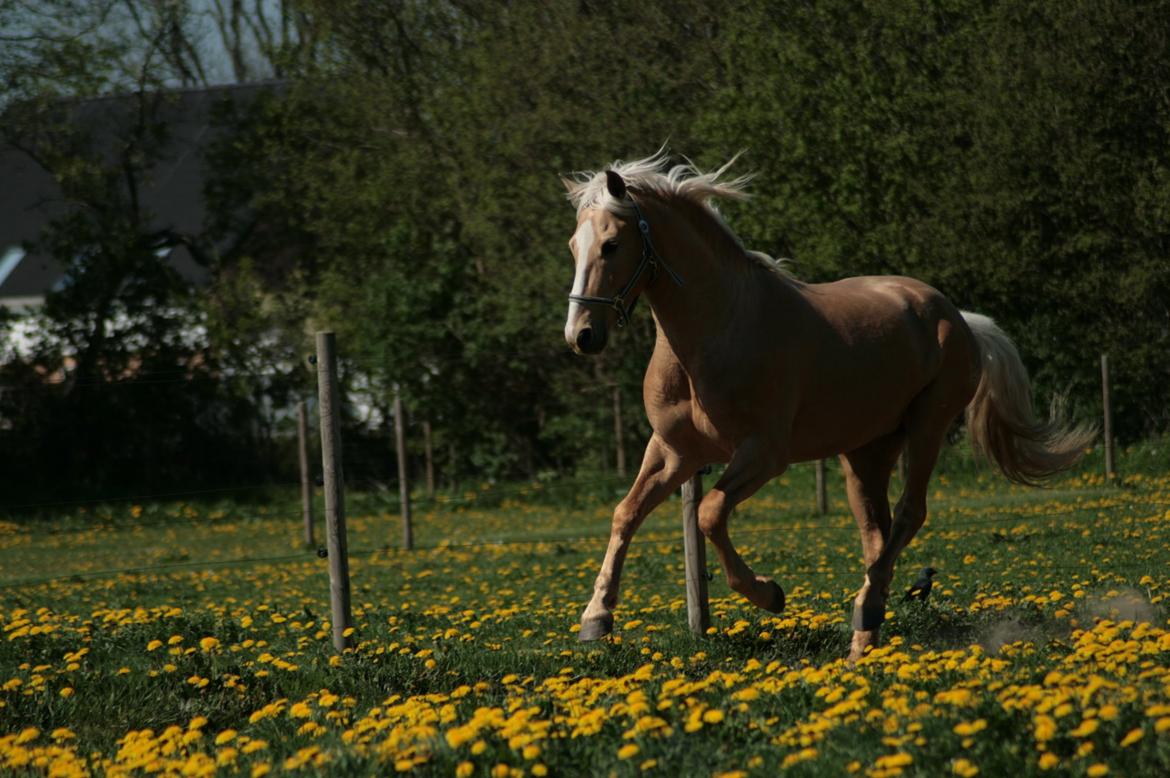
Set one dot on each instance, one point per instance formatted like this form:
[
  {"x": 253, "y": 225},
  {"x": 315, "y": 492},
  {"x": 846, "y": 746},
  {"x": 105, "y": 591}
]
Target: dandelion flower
[{"x": 627, "y": 751}]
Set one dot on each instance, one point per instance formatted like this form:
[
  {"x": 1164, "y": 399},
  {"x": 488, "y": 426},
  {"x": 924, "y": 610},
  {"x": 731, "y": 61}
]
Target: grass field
[{"x": 191, "y": 638}]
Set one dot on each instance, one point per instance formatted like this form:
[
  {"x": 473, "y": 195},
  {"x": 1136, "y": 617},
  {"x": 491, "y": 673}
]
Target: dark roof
[{"x": 173, "y": 191}]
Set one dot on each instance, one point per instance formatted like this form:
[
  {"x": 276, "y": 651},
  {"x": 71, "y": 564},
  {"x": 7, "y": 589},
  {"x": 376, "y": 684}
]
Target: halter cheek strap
[{"x": 650, "y": 260}]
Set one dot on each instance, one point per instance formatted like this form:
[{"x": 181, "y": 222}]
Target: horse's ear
[{"x": 615, "y": 184}]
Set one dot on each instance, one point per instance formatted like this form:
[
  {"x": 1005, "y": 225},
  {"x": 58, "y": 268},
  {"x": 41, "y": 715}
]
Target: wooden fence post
[
  {"x": 695, "y": 557},
  {"x": 822, "y": 494},
  {"x": 1110, "y": 472},
  {"x": 403, "y": 478},
  {"x": 306, "y": 478},
  {"x": 329, "y": 411}
]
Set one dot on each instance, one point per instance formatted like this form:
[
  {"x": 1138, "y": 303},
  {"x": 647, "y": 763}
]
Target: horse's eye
[{"x": 609, "y": 247}]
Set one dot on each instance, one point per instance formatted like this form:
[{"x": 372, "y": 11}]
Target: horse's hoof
[
  {"x": 867, "y": 617},
  {"x": 862, "y": 643},
  {"x": 595, "y": 629},
  {"x": 775, "y": 603}
]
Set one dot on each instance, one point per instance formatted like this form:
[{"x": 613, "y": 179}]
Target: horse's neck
[{"x": 720, "y": 288}]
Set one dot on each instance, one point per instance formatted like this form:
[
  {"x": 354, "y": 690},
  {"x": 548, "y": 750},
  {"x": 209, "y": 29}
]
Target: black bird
[{"x": 920, "y": 589}]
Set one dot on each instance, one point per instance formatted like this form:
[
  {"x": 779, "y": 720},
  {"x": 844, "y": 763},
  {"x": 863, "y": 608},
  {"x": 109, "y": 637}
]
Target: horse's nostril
[{"x": 584, "y": 338}]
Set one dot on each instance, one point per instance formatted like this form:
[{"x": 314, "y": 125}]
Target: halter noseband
[{"x": 650, "y": 259}]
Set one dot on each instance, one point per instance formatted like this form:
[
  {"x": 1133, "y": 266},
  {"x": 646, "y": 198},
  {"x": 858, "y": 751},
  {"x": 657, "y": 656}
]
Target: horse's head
[{"x": 610, "y": 254}]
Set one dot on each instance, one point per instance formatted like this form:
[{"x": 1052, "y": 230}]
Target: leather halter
[{"x": 650, "y": 260}]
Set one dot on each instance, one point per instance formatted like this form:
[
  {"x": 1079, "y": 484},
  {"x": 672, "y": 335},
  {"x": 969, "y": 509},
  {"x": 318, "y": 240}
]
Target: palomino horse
[{"x": 756, "y": 369}]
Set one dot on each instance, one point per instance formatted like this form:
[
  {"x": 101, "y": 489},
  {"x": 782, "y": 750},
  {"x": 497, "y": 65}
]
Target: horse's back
[
  {"x": 871, "y": 299},
  {"x": 873, "y": 344}
]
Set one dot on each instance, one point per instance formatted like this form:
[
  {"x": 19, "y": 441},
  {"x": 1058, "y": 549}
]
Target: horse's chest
[{"x": 690, "y": 423}]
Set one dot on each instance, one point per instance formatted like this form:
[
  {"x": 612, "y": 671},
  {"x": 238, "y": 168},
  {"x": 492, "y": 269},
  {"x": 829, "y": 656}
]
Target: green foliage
[{"x": 400, "y": 187}]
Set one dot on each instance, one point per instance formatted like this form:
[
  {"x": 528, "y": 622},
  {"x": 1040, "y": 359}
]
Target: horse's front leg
[
  {"x": 663, "y": 471},
  {"x": 752, "y": 465}
]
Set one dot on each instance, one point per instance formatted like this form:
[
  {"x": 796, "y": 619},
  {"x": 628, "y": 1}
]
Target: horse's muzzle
[{"x": 589, "y": 339}]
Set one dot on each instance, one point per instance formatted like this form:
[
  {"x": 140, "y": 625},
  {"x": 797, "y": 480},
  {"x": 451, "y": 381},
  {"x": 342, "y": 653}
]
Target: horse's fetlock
[
  {"x": 877, "y": 580},
  {"x": 740, "y": 585}
]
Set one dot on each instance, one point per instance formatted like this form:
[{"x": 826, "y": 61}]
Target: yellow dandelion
[
  {"x": 1132, "y": 737},
  {"x": 1087, "y": 727},
  {"x": 964, "y": 767},
  {"x": 900, "y": 759},
  {"x": 628, "y": 750},
  {"x": 969, "y": 728}
]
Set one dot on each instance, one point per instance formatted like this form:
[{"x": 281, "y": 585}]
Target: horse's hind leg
[
  {"x": 752, "y": 465},
  {"x": 663, "y": 470},
  {"x": 867, "y": 482},
  {"x": 927, "y": 421}
]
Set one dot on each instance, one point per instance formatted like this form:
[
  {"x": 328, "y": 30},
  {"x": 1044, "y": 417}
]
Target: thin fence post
[
  {"x": 403, "y": 479},
  {"x": 695, "y": 557},
  {"x": 329, "y": 411},
  {"x": 306, "y": 479},
  {"x": 1110, "y": 472},
  {"x": 822, "y": 495}
]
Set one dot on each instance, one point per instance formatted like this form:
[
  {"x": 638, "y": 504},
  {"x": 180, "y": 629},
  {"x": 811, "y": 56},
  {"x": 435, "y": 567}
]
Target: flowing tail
[{"x": 1000, "y": 418}]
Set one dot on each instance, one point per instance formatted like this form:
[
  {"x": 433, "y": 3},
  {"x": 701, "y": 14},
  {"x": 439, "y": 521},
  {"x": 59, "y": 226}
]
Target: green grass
[{"x": 1048, "y": 602}]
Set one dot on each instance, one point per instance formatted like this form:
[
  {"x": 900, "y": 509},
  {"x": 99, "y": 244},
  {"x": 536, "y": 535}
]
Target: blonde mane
[{"x": 653, "y": 175}]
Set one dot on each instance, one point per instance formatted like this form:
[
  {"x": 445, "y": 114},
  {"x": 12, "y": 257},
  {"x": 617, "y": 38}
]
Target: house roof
[{"x": 172, "y": 192}]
